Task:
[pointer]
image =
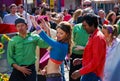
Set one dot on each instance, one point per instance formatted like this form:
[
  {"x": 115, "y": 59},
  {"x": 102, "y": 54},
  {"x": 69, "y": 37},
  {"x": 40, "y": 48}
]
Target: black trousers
[
  {"x": 19, "y": 76},
  {"x": 73, "y": 68},
  {"x": 41, "y": 77}
]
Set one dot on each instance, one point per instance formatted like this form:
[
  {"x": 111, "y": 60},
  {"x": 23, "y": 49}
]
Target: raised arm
[{"x": 42, "y": 34}]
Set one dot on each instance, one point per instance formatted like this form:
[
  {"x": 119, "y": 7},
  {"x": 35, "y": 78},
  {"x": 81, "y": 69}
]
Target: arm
[
  {"x": 78, "y": 47},
  {"x": 10, "y": 52},
  {"x": 41, "y": 32}
]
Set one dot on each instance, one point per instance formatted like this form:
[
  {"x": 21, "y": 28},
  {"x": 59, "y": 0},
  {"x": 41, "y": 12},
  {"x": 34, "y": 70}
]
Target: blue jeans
[
  {"x": 90, "y": 77},
  {"x": 54, "y": 79}
]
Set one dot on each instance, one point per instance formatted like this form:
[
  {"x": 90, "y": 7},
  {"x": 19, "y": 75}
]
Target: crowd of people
[{"x": 88, "y": 42}]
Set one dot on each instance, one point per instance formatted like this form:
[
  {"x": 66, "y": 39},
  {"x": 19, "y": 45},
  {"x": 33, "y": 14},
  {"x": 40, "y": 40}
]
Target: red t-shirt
[{"x": 67, "y": 17}]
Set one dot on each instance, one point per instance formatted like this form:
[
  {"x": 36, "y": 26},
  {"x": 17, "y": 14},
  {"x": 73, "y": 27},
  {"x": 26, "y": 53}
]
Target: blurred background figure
[
  {"x": 86, "y": 4},
  {"x": 112, "y": 52},
  {"x": 116, "y": 9},
  {"x": 1, "y": 20},
  {"x": 3, "y": 11},
  {"x": 22, "y": 13},
  {"x": 111, "y": 17},
  {"x": 67, "y": 16},
  {"x": 102, "y": 19},
  {"x": 12, "y": 16}
]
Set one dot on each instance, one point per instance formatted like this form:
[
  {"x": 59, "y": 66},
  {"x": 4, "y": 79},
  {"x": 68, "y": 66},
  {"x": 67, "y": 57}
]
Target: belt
[{"x": 52, "y": 75}]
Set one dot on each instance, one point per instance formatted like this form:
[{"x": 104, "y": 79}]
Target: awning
[{"x": 106, "y": 1}]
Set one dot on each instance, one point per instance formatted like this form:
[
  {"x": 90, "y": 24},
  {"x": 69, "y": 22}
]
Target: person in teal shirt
[
  {"x": 21, "y": 53},
  {"x": 80, "y": 38},
  {"x": 118, "y": 23}
]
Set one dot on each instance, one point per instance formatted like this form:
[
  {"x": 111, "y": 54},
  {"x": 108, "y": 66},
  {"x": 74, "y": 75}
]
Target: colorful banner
[
  {"x": 44, "y": 0},
  {"x": 51, "y": 4},
  {"x": 62, "y": 3},
  {"x": 7, "y": 28}
]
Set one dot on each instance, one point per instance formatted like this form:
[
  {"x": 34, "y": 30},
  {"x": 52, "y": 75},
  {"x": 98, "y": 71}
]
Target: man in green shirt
[{"x": 21, "y": 53}]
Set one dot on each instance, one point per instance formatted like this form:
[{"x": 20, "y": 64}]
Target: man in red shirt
[
  {"x": 67, "y": 16},
  {"x": 94, "y": 53}
]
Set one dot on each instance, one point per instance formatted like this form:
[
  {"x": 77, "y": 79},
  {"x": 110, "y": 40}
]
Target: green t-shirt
[
  {"x": 80, "y": 37},
  {"x": 22, "y": 51},
  {"x": 118, "y": 23}
]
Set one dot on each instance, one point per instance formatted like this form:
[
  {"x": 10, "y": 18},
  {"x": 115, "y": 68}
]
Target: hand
[
  {"x": 45, "y": 24},
  {"x": 24, "y": 70},
  {"x": 75, "y": 74},
  {"x": 32, "y": 18},
  {"x": 78, "y": 47},
  {"x": 43, "y": 72},
  {"x": 77, "y": 61}
]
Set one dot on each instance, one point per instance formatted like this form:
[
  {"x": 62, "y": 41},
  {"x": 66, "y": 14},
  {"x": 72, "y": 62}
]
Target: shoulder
[
  {"x": 7, "y": 15},
  {"x": 78, "y": 26},
  {"x": 13, "y": 39},
  {"x": 99, "y": 36}
]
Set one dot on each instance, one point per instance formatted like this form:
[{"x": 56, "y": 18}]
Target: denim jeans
[
  {"x": 54, "y": 79},
  {"x": 90, "y": 77}
]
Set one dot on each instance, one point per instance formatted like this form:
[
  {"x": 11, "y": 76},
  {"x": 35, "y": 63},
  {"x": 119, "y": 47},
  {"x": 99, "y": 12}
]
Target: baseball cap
[{"x": 20, "y": 20}]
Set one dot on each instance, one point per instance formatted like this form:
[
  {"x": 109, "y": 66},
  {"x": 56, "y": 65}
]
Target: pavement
[{"x": 66, "y": 74}]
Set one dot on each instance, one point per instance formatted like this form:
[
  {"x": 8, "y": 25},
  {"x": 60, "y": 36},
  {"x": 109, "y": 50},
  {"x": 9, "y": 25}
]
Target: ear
[
  {"x": 26, "y": 27},
  {"x": 110, "y": 35}
]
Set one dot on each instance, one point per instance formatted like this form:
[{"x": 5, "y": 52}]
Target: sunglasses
[{"x": 87, "y": 5}]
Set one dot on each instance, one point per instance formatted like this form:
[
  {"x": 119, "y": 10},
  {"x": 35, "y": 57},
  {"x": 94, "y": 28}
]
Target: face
[
  {"x": 13, "y": 10},
  {"x": 87, "y": 4},
  {"x": 106, "y": 34},
  {"x": 113, "y": 16},
  {"x": 19, "y": 9},
  {"x": 101, "y": 14},
  {"x": 42, "y": 25},
  {"x": 22, "y": 28},
  {"x": 60, "y": 34},
  {"x": 88, "y": 29}
]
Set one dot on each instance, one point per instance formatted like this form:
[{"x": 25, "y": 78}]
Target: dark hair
[
  {"x": 66, "y": 27},
  {"x": 109, "y": 17},
  {"x": 21, "y": 6},
  {"x": 20, "y": 20},
  {"x": 91, "y": 19}
]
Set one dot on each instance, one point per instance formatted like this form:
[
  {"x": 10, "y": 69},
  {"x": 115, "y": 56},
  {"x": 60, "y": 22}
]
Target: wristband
[{"x": 38, "y": 28}]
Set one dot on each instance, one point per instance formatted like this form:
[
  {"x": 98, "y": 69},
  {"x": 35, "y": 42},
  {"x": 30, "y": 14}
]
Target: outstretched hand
[
  {"x": 32, "y": 18},
  {"x": 35, "y": 24},
  {"x": 78, "y": 47},
  {"x": 75, "y": 74},
  {"x": 77, "y": 61}
]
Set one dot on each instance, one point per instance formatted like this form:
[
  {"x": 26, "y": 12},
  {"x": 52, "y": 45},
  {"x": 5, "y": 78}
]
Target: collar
[
  {"x": 92, "y": 35},
  {"x": 28, "y": 34}
]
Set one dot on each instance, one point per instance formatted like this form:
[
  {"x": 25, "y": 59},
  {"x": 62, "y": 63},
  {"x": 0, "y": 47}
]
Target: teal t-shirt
[
  {"x": 80, "y": 37},
  {"x": 118, "y": 23}
]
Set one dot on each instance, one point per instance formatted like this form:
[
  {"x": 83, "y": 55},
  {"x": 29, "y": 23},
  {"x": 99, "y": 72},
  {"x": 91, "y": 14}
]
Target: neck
[
  {"x": 23, "y": 35},
  {"x": 109, "y": 42}
]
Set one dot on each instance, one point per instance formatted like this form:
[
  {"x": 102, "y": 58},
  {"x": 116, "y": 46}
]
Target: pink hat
[{"x": 42, "y": 17}]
